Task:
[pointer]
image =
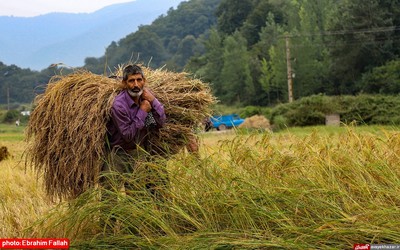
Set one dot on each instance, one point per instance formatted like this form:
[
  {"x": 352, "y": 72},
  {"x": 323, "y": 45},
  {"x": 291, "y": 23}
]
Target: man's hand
[
  {"x": 147, "y": 95},
  {"x": 145, "y": 106}
]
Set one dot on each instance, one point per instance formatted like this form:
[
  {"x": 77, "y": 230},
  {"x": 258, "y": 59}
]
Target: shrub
[
  {"x": 370, "y": 109},
  {"x": 363, "y": 109},
  {"x": 384, "y": 79},
  {"x": 249, "y": 111},
  {"x": 221, "y": 109},
  {"x": 279, "y": 122},
  {"x": 11, "y": 116},
  {"x": 306, "y": 111}
]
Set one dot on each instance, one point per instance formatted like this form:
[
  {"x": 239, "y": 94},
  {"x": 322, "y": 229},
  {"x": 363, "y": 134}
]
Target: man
[{"x": 135, "y": 113}]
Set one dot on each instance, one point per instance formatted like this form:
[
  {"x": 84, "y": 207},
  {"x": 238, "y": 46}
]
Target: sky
[{"x": 30, "y": 8}]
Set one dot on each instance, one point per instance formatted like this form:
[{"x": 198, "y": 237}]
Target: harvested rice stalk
[
  {"x": 67, "y": 129},
  {"x": 4, "y": 154}
]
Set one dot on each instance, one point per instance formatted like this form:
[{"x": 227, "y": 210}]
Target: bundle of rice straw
[
  {"x": 66, "y": 133},
  {"x": 256, "y": 122},
  {"x": 4, "y": 154}
]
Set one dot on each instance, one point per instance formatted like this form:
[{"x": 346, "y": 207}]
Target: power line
[
  {"x": 345, "y": 32},
  {"x": 349, "y": 42}
]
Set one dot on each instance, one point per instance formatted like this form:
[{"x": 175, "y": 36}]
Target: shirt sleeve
[
  {"x": 158, "y": 112},
  {"x": 128, "y": 127}
]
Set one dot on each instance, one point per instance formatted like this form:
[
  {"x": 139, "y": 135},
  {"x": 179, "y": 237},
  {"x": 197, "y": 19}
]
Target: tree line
[{"x": 337, "y": 47}]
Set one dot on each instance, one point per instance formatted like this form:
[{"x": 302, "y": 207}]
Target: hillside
[
  {"x": 169, "y": 40},
  {"x": 240, "y": 47},
  {"x": 37, "y": 42}
]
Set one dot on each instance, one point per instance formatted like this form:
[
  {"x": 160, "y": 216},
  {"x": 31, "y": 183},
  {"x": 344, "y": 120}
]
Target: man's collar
[{"x": 129, "y": 99}]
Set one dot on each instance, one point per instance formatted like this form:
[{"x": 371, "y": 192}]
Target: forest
[{"x": 243, "y": 49}]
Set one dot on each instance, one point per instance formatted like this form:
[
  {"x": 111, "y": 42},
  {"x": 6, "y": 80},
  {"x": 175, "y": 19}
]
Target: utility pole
[{"x": 289, "y": 70}]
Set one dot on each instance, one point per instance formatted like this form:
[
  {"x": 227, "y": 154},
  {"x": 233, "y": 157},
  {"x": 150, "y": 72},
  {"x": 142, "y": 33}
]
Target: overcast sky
[{"x": 29, "y": 8}]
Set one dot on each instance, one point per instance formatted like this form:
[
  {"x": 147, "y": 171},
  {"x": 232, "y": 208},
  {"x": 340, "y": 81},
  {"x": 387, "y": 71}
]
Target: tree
[
  {"x": 272, "y": 76},
  {"x": 270, "y": 35},
  {"x": 363, "y": 40},
  {"x": 232, "y": 14},
  {"x": 255, "y": 21},
  {"x": 143, "y": 46},
  {"x": 235, "y": 75},
  {"x": 212, "y": 62},
  {"x": 94, "y": 64},
  {"x": 276, "y": 73},
  {"x": 265, "y": 78},
  {"x": 11, "y": 116},
  {"x": 158, "y": 43},
  {"x": 188, "y": 47},
  {"x": 383, "y": 80},
  {"x": 311, "y": 60}
]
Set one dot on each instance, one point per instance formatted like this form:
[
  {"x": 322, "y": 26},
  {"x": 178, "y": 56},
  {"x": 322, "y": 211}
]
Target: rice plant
[{"x": 251, "y": 191}]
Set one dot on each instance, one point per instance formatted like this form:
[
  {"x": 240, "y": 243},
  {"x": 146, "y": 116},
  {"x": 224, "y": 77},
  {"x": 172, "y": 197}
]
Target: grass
[
  {"x": 301, "y": 188},
  {"x": 21, "y": 198},
  {"x": 11, "y": 132}
]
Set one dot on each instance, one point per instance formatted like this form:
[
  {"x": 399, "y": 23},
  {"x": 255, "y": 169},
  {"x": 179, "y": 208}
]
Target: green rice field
[{"x": 299, "y": 188}]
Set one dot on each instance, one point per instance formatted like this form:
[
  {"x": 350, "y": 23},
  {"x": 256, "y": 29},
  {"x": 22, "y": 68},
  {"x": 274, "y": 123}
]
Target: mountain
[{"x": 37, "y": 42}]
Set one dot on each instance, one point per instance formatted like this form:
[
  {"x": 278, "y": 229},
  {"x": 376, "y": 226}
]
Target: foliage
[
  {"x": 22, "y": 85},
  {"x": 232, "y": 14},
  {"x": 363, "y": 109},
  {"x": 279, "y": 122},
  {"x": 221, "y": 109},
  {"x": 364, "y": 41},
  {"x": 384, "y": 79},
  {"x": 328, "y": 53},
  {"x": 272, "y": 78},
  {"x": 337, "y": 48},
  {"x": 249, "y": 111},
  {"x": 11, "y": 116},
  {"x": 169, "y": 41},
  {"x": 367, "y": 109},
  {"x": 304, "y": 112},
  {"x": 238, "y": 84},
  {"x": 332, "y": 44}
]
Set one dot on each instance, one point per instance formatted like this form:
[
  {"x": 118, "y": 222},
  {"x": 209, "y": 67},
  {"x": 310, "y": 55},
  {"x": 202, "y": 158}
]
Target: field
[{"x": 302, "y": 188}]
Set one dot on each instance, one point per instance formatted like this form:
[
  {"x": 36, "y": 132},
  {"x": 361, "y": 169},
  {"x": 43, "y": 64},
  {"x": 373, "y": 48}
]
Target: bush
[
  {"x": 306, "y": 111},
  {"x": 221, "y": 109},
  {"x": 11, "y": 116},
  {"x": 249, "y": 111},
  {"x": 383, "y": 80},
  {"x": 279, "y": 122},
  {"x": 370, "y": 109},
  {"x": 363, "y": 109}
]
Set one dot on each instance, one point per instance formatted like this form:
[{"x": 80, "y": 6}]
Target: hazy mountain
[{"x": 37, "y": 42}]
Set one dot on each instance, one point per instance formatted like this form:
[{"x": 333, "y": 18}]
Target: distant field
[
  {"x": 300, "y": 188},
  {"x": 11, "y": 128},
  {"x": 22, "y": 199}
]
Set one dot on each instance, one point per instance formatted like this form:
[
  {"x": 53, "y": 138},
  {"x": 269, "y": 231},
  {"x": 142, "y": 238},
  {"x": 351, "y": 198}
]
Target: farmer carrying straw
[
  {"x": 87, "y": 129},
  {"x": 135, "y": 113}
]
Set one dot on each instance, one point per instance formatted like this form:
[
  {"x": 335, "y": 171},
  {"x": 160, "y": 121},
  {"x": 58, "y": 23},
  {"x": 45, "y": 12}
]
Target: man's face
[{"x": 135, "y": 84}]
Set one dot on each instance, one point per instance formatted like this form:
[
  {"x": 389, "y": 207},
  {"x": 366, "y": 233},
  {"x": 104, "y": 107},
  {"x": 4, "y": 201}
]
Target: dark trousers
[{"x": 130, "y": 171}]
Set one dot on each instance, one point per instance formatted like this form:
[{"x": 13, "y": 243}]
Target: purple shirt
[{"x": 126, "y": 127}]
